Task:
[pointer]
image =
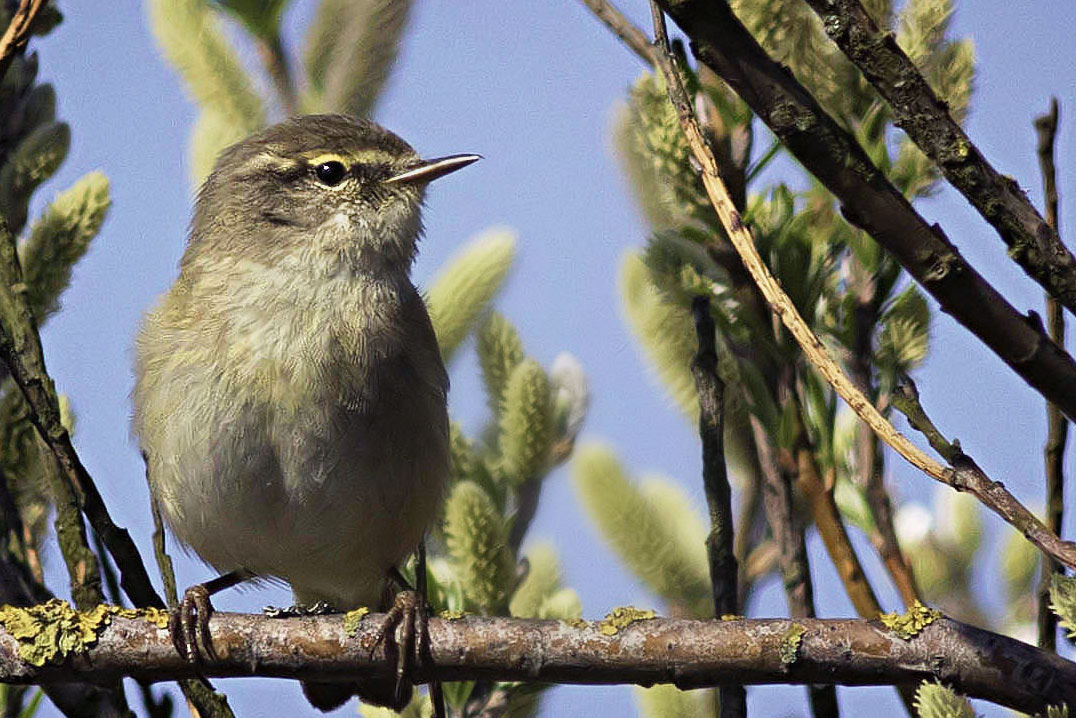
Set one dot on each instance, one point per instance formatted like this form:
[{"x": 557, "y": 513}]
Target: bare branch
[
  {"x": 870, "y": 201},
  {"x": 1032, "y": 242},
  {"x": 691, "y": 654}
]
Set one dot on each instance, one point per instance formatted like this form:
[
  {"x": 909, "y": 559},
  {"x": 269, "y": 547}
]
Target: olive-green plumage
[{"x": 290, "y": 393}]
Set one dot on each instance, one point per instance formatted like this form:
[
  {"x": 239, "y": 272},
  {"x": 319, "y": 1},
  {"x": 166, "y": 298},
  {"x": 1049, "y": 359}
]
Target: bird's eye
[{"x": 331, "y": 173}]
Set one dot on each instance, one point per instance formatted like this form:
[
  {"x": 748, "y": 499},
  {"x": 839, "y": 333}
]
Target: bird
[{"x": 290, "y": 396}]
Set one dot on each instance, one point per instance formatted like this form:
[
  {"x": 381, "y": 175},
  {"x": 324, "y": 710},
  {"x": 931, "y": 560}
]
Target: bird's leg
[
  {"x": 189, "y": 621},
  {"x": 409, "y": 613},
  {"x": 437, "y": 694}
]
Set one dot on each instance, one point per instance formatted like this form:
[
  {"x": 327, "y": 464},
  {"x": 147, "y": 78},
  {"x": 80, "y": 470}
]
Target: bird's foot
[
  {"x": 189, "y": 625},
  {"x": 408, "y": 614},
  {"x": 321, "y": 608}
]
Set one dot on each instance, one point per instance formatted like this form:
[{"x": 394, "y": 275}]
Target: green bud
[
  {"x": 541, "y": 582},
  {"x": 60, "y": 238},
  {"x": 478, "y": 544},
  {"x": 466, "y": 285},
  {"x": 526, "y": 423},
  {"x": 499, "y": 351}
]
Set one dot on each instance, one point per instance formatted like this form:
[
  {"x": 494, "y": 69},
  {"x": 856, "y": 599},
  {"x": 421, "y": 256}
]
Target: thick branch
[
  {"x": 691, "y": 654},
  {"x": 1032, "y": 242},
  {"x": 870, "y": 201}
]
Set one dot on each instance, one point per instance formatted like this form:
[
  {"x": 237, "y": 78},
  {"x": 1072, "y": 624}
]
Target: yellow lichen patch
[
  {"x": 51, "y": 631},
  {"x": 577, "y": 623},
  {"x": 157, "y": 616},
  {"x": 790, "y": 643},
  {"x": 352, "y": 619},
  {"x": 731, "y": 617},
  {"x": 452, "y": 615},
  {"x": 907, "y": 625},
  {"x": 623, "y": 617}
]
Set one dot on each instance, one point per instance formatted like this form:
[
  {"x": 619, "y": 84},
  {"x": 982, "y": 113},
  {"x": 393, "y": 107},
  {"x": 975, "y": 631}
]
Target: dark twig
[
  {"x": 792, "y": 548},
  {"x": 1033, "y": 243},
  {"x": 719, "y": 542},
  {"x": 207, "y": 701},
  {"x": 691, "y": 654},
  {"x": 870, "y": 200},
  {"x": 1046, "y": 129},
  {"x": 623, "y": 28},
  {"x": 20, "y": 349},
  {"x": 18, "y": 32}
]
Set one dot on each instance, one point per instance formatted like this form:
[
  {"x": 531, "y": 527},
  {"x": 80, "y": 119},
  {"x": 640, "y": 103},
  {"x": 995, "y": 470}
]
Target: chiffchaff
[{"x": 290, "y": 394}]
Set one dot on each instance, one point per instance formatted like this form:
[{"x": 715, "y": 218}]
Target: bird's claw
[
  {"x": 408, "y": 614},
  {"x": 189, "y": 625}
]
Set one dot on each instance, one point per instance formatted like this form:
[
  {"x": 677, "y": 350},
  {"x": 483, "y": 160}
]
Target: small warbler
[{"x": 290, "y": 394}]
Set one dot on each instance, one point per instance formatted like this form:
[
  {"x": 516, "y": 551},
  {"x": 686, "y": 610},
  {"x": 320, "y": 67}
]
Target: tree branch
[
  {"x": 691, "y": 654},
  {"x": 870, "y": 201},
  {"x": 1032, "y": 242},
  {"x": 1046, "y": 128}
]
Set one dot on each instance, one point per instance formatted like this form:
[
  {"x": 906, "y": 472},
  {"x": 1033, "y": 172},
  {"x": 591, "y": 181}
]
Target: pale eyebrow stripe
[{"x": 349, "y": 158}]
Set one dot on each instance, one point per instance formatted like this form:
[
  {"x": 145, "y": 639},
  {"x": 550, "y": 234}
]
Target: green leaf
[
  {"x": 59, "y": 239},
  {"x": 350, "y": 50},
  {"x": 466, "y": 284},
  {"x": 478, "y": 544},
  {"x": 904, "y": 334},
  {"x": 651, "y": 536},
  {"x": 934, "y": 700},
  {"x": 189, "y": 34},
  {"x": 526, "y": 423}
]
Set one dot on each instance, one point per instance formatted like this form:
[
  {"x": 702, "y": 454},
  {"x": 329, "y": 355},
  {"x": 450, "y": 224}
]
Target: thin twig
[
  {"x": 20, "y": 349},
  {"x": 207, "y": 701},
  {"x": 623, "y": 28},
  {"x": 1032, "y": 242},
  {"x": 792, "y": 552},
  {"x": 965, "y": 475},
  {"x": 870, "y": 461},
  {"x": 18, "y": 32},
  {"x": 992, "y": 494},
  {"x": 690, "y": 653},
  {"x": 1046, "y": 128},
  {"x": 869, "y": 200},
  {"x": 732, "y": 699}
]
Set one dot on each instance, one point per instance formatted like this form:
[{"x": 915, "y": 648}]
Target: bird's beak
[{"x": 430, "y": 170}]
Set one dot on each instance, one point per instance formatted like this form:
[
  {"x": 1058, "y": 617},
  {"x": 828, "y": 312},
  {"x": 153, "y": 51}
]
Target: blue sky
[{"x": 531, "y": 86}]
